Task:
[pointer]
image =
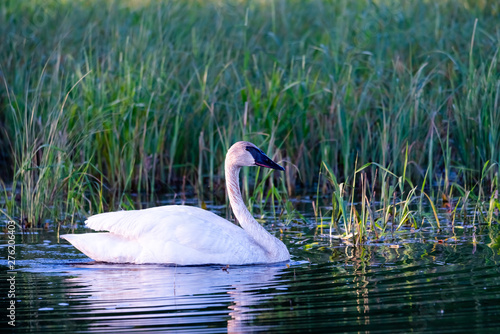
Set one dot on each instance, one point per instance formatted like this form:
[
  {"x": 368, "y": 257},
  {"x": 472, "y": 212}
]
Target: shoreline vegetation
[{"x": 383, "y": 106}]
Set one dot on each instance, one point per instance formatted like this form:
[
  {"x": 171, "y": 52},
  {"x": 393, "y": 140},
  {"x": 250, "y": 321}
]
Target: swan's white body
[{"x": 185, "y": 235}]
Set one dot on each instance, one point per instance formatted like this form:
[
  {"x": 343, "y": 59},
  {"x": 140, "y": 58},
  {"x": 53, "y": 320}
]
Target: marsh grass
[
  {"x": 103, "y": 98},
  {"x": 359, "y": 216},
  {"x": 46, "y": 179}
]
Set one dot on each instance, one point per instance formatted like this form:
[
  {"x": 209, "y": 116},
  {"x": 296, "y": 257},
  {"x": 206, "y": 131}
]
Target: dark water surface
[{"x": 425, "y": 281}]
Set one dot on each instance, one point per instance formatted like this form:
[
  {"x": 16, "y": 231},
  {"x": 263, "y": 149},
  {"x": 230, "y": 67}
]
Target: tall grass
[
  {"x": 119, "y": 96},
  {"x": 369, "y": 213}
]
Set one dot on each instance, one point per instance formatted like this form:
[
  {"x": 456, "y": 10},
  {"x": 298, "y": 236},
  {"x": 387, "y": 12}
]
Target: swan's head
[{"x": 244, "y": 153}]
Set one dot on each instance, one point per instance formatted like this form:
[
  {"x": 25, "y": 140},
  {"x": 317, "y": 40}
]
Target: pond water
[{"x": 425, "y": 280}]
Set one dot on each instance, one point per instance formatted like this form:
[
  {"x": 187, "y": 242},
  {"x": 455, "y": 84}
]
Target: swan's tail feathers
[{"x": 105, "y": 247}]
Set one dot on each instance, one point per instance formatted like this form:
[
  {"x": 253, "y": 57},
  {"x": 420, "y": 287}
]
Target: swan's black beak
[{"x": 263, "y": 160}]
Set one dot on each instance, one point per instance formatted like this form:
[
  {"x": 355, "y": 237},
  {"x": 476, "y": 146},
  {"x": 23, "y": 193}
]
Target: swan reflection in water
[{"x": 153, "y": 296}]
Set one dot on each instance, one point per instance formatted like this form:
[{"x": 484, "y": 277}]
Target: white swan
[{"x": 186, "y": 235}]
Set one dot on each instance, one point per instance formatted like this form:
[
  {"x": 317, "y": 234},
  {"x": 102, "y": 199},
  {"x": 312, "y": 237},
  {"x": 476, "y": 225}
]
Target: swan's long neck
[{"x": 247, "y": 222}]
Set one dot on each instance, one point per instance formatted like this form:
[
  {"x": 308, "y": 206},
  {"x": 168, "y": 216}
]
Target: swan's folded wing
[
  {"x": 134, "y": 223},
  {"x": 177, "y": 225},
  {"x": 177, "y": 234}
]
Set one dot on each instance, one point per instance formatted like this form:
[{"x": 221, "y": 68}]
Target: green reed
[
  {"x": 104, "y": 98},
  {"x": 359, "y": 216}
]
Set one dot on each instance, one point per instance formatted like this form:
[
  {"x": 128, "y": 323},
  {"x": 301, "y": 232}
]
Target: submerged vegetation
[{"x": 103, "y": 98}]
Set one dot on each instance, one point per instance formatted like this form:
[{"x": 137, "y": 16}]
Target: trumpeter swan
[{"x": 186, "y": 235}]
